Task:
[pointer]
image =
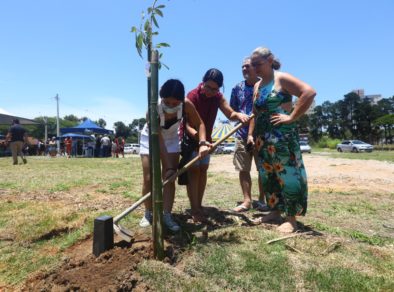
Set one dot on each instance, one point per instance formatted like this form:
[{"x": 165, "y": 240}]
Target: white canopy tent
[{"x": 6, "y": 119}]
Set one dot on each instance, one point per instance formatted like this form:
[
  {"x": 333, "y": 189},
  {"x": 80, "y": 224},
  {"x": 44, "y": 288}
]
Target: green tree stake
[
  {"x": 157, "y": 193},
  {"x": 143, "y": 39}
]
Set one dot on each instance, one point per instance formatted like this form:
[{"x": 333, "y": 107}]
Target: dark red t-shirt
[{"x": 207, "y": 107}]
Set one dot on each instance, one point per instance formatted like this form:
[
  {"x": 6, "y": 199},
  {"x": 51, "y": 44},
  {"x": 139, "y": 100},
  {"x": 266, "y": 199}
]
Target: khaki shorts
[{"x": 243, "y": 159}]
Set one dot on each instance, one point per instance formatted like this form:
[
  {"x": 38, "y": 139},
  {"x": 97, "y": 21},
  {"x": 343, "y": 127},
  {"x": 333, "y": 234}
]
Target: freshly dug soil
[{"x": 114, "y": 270}]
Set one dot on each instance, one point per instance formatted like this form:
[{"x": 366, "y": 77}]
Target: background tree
[
  {"x": 303, "y": 124},
  {"x": 387, "y": 123},
  {"x": 316, "y": 125},
  {"x": 38, "y": 131},
  {"x": 135, "y": 129},
  {"x": 72, "y": 118},
  {"x": 101, "y": 122},
  {"x": 121, "y": 130}
]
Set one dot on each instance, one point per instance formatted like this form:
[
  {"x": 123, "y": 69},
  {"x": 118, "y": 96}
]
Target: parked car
[
  {"x": 219, "y": 149},
  {"x": 228, "y": 148},
  {"x": 354, "y": 146},
  {"x": 304, "y": 147},
  {"x": 131, "y": 148}
]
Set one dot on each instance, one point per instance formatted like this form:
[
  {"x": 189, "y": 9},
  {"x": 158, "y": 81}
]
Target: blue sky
[{"x": 84, "y": 51}]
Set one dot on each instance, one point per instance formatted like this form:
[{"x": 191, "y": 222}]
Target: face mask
[{"x": 170, "y": 110}]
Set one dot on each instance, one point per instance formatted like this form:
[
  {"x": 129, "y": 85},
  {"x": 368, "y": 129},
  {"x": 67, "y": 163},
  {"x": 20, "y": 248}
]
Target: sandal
[{"x": 241, "y": 208}]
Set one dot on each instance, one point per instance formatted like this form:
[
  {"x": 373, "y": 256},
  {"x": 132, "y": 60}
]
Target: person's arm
[
  {"x": 296, "y": 87},
  {"x": 163, "y": 148},
  {"x": 194, "y": 121},
  {"x": 230, "y": 113},
  {"x": 250, "y": 139},
  {"x": 164, "y": 157}
]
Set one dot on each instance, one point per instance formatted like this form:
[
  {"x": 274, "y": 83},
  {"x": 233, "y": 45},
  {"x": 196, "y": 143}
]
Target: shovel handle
[{"x": 179, "y": 172}]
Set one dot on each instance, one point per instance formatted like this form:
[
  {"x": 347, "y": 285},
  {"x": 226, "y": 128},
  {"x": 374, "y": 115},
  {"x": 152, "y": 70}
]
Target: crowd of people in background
[{"x": 97, "y": 146}]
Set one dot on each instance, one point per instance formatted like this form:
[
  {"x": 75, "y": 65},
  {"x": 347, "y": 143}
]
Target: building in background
[{"x": 373, "y": 98}]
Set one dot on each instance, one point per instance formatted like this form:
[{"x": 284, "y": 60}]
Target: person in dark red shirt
[
  {"x": 207, "y": 99},
  {"x": 68, "y": 142}
]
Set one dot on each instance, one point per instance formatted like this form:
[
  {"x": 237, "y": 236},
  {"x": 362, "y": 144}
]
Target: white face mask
[{"x": 170, "y": 110}]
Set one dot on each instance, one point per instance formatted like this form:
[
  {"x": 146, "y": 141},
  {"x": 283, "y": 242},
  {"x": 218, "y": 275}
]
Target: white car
[
  {"x": 228, "y": 148},
  {"x": 131, "y": 148},
  {"x": 304, "y": 147},
  {"x": 354, "y": 146}
]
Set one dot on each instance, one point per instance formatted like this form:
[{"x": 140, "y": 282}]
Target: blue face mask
[{"x": 170, "y": 110}]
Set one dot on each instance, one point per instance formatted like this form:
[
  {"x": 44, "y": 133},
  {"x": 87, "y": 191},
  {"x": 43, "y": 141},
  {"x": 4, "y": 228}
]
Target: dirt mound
[{"x": 114, "y": 270}]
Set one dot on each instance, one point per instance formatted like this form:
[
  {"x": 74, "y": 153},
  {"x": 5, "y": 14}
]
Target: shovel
[{"x": 127, "y": 234}]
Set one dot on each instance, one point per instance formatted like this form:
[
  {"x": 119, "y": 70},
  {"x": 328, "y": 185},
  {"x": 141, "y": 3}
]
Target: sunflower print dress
[{"x": 281, "y": 167}]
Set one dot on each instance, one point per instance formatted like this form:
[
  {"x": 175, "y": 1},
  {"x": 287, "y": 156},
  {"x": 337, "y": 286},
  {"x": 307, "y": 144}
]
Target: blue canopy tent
[
  {"x": 87, "y": 126},
  {"x": 75, "y": 136},
  {"x": 86, "y": 151}
]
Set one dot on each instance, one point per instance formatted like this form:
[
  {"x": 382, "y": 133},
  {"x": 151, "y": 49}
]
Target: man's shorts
[
  {"x": 204, "y": 161},
  {"x": 242, "y": 158}
]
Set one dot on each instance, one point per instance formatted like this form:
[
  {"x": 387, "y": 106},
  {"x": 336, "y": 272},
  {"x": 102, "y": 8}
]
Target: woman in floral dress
[{"x": 274, "y": 133}]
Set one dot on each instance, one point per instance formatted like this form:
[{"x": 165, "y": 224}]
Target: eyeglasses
[
  {"x": 210, "y": 88},
  {"x": 257, "y": 64}
]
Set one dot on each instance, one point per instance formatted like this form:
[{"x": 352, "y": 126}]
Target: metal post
[
  {"x": 46, "y": 130},
  {"x": 157, "y": 193}
]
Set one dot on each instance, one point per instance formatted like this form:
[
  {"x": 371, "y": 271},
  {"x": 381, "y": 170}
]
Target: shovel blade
[{"x": 124, "y": 233}]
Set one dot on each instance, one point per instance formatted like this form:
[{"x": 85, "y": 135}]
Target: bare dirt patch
[
  {"x": 331, "y": 174},
  {"x": 79, "y": 198}
]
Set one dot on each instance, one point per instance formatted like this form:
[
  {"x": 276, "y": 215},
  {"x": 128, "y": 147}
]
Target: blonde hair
[{"x": 266, "y": 53}]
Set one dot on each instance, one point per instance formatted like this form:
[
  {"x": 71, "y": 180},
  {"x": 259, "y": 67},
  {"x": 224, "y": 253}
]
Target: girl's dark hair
[
  {"x": 215, "y": 75},
  {"x": 173, "y": 88}
]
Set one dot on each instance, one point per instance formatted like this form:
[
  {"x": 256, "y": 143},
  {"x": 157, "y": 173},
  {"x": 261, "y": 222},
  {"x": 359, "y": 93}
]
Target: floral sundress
[{"x": 281, "y": 167}]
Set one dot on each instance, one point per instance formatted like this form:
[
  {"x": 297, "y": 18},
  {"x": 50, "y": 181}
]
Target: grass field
[{"x": 49, "y": 205}]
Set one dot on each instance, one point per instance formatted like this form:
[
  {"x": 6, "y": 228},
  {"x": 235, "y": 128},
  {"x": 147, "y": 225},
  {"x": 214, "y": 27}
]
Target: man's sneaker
[
  {"x": 170, "y": 223},
  {"x": 24, "y": 160},
  {"x": 261, "y": 206},
  {"x": 146, "y": 219}
]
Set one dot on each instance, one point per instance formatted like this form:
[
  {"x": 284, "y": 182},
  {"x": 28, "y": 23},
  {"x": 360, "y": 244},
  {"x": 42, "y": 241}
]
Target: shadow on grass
[{"x": 192, "y": 233}]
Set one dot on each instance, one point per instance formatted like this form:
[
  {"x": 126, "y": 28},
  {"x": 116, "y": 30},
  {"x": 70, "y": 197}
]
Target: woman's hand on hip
[{"x": 278, "y": 119}]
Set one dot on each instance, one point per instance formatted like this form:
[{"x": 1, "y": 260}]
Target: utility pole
[
  {"x": 46, "y": 130},
  {"x": 57, "y": 124}
]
